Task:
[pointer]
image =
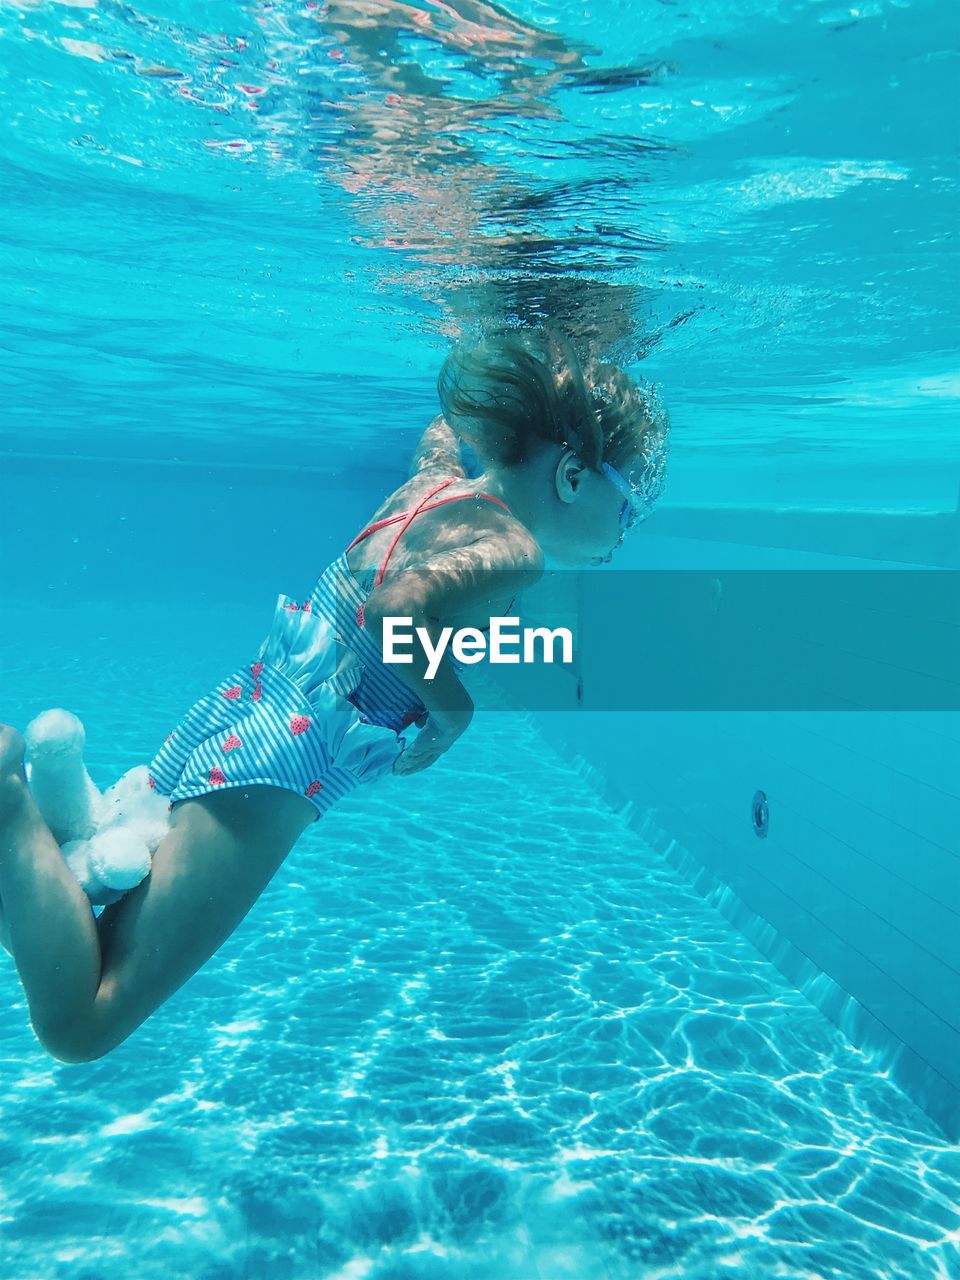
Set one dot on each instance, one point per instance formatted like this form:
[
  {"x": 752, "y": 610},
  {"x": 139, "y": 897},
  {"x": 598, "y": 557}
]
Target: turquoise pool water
[
  {"x": 249, "y": 230},
  {"x": 522, "y": 1047},
  {"x": 513, "y": 1043}
]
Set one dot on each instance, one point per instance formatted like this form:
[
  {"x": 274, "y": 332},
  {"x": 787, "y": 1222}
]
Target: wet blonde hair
[{"x": 513, "y": 393}]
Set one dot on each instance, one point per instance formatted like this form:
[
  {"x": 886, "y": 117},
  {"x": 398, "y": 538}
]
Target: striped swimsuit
[{"x": 318, "y": 711}]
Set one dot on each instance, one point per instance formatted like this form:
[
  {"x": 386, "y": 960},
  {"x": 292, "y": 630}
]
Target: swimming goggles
[
  {"x": 638, "y": 498},
  {"x": 634, "y": 505}
]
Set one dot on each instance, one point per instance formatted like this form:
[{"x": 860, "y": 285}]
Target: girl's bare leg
[
  {"x": 51, "y": 929},
  {"x": 89, "y": 983}
]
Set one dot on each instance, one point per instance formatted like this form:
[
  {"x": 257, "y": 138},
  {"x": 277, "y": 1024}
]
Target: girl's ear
[{"x": 569, "y": 474}]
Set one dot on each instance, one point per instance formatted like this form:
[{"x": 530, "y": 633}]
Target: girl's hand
[{"x": 437, "y": 736}]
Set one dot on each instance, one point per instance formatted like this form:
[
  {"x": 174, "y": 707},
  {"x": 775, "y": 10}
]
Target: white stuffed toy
[{"x": 107, "y": 840}]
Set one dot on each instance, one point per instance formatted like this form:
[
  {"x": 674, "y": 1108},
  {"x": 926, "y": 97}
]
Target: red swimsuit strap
[{"x": 408, "y": 516}]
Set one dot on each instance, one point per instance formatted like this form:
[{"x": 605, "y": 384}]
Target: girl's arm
[
  {"x": 438, "y": 447},
  {"x": 464, "y": 580}
]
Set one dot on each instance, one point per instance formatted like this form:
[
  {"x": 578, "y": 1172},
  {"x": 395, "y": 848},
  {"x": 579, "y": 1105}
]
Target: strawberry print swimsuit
[{"x": 317, "y": 711}]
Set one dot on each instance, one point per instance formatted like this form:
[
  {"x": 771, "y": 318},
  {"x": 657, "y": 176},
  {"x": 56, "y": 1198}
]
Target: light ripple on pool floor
[{"x": 475, "y": 1029}]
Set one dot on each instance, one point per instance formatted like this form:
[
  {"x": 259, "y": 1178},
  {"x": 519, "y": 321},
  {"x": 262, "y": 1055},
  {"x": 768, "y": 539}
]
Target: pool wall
[{"x": 855, "y": 888}]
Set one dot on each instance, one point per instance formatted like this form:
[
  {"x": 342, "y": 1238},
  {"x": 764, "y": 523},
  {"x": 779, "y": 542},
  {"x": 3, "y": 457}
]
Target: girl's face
[{"x": 592, "y": 511}]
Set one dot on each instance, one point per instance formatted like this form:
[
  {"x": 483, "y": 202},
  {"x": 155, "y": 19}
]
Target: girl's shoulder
[
  {"x": 453, "y": 494},
  {"x": 448, "y": 526}
]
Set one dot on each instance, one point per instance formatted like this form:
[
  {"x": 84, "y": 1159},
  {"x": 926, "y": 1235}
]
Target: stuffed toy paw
[{"x": 106, "y": 839}]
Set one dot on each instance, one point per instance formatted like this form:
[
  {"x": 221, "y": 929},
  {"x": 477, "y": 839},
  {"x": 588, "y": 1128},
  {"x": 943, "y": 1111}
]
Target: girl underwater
[{"x": 574, "y": 454}]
